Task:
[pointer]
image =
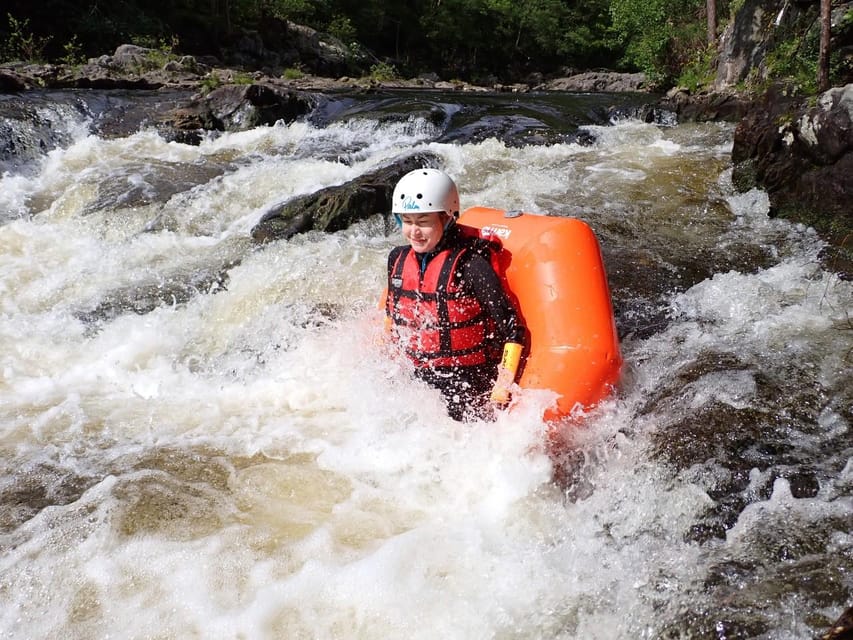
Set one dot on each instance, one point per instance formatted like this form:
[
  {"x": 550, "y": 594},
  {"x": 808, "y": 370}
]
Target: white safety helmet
[{"x": 425, "y": 191}]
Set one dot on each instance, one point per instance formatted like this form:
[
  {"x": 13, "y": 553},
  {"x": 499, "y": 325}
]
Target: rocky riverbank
[
  {"x": 133, "y": 67},
  {"x": 799, "y": 151}
]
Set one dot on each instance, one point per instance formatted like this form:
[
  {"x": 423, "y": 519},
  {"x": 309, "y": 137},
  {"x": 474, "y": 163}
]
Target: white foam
[{"x": 254, "y": 465}]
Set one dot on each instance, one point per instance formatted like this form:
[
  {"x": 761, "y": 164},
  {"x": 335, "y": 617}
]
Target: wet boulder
[
  {"x": 714, "y": 106},
  {"x": 608, "y": 81},
  {"x": 237, "y": 107},
  {"x": 322, "y": 53},
  {"x": 337, "y": 207},
  {"x": 32, "y": 126},
  {"x": 12, "y": 82},
  {"x": 29, "y": 488}
]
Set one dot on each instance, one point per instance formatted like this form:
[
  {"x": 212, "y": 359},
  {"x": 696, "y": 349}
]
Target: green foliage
[
  {"x": 699, "y": 72},
  {"x": 242, "y": 77},
  {"x": 21, "y": 43},
  {"x": 215, "y": 80},
  {"x": 163, "y": 46},
  {"x": 341, "y": 27},
  {"x": 734, "y": 7},
  {"x": 483, "y": 37},
  {"x": 793, "y": 56},
  {"x": 210, "y": 82},
  {"x": 159, "y": 52},
  {"x": 73, "y": 53},
  {"x": 463, "y": 38},
  {"x": 302, "y": 11},
  {"x": 382, "y": 72},
  {"x": 293, "y": 73},
  {"x": 689, "y": 47},
  {"x": 793, "y": 60},
  {"x": 467, "y": 39},
  {"x": 588, "y": 38},
  {"x": 841, "y": 63},
  {"x": 642, "y": 27},
  {"x": 659, "y": 35}
]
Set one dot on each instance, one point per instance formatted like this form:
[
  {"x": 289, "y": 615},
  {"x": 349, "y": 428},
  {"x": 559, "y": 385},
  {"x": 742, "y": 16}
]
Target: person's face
[{"x": 423, "y": 230}]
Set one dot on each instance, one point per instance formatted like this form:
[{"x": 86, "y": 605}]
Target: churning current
[{"x": 201, "y": 439}]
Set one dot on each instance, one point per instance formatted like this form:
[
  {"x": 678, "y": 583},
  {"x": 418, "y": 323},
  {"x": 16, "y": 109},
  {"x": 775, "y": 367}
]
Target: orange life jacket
[{"x": 438, "y": 324}]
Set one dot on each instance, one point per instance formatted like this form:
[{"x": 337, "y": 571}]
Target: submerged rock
[
  {"x": 167, "y": 288},
  {"x": 27, "y": 489}
]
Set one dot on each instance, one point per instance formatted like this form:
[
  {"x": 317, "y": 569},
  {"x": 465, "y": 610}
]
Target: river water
[{"x": 200, "y": 438}]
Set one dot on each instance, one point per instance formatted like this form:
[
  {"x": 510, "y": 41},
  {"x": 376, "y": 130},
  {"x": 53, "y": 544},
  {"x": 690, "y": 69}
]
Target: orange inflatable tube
[{"x": 553, "y": 268}]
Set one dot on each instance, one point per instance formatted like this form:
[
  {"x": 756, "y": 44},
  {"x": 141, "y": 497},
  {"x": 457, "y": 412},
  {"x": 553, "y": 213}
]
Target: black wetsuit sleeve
[{"x": 477, "y": 276}]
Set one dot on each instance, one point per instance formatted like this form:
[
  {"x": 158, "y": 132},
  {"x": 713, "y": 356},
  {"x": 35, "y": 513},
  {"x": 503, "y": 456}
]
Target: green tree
[
  {"x": 585, "y": 36},
  {"x": 659, "y": 35},
  {"x": 825, "y": 36},
  {"x": 454, "y": 33},
  {"x": 711, "y": 11},
  {"x": 469, "y": 39},
  {"x": 302, "y": 11}
]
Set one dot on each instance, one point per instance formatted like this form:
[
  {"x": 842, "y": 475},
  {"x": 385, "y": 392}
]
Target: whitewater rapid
[{"x": 202, "y": 439}]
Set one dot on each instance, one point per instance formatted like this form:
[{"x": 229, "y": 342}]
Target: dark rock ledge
[{"x": 801, "y": 153}]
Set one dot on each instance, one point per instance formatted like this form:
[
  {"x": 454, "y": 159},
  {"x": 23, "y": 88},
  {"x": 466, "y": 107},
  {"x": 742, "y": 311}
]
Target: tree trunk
[
  {"x": 711, "y": 6},
  {"x": 825, "y": 35}
]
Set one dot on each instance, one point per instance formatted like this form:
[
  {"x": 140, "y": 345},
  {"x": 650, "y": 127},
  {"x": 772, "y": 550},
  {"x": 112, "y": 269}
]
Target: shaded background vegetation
[
  {"x": 454, "y": 38},
  {"x": 472, "y": 40}
]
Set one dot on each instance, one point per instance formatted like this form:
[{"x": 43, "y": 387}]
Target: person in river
[{"x": 446, "y": 307}]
